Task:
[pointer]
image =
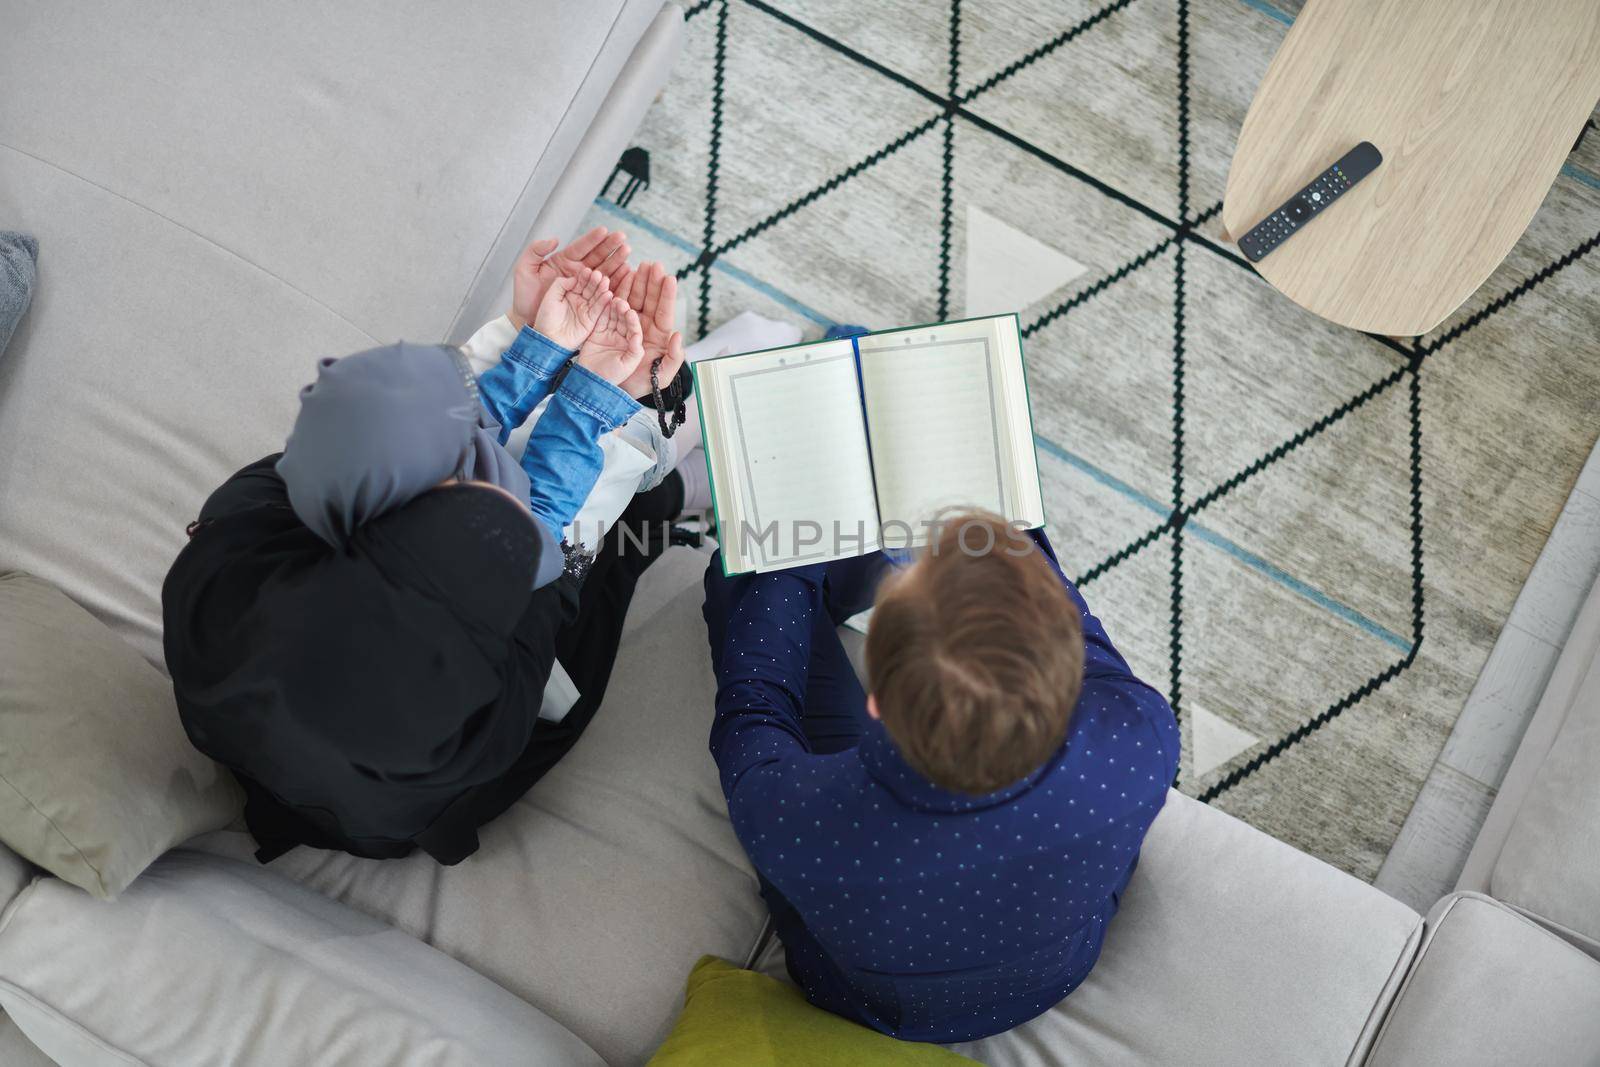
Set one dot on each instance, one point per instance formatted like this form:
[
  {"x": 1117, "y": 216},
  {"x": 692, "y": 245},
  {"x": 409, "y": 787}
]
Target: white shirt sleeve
[{"x": 484, "y": 348}]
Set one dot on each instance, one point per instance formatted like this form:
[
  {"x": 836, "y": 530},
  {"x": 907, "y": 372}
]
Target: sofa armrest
[
  {"x": 208, "y": 960},
  {"x": 1539, "y": 849},
  {"x": 1490, "y": 986},
  {"x": 15, "y": 874}
]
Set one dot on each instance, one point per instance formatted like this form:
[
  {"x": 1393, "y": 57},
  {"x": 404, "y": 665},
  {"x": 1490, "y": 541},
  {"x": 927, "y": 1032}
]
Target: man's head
[{"x": 975, "y": 657}]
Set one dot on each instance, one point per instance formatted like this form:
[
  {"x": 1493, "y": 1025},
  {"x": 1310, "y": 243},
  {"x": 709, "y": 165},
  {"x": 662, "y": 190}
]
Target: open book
[{"x": 834, "y": 449}]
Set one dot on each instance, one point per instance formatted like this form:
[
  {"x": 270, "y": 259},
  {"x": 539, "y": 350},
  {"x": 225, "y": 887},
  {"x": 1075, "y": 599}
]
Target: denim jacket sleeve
[
  {"x": 563, "y": 458},
  {"x": 512, "y": 388}
]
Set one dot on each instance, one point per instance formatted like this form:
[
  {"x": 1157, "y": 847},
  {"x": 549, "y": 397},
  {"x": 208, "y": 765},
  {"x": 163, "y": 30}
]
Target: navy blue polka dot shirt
[{"x": 923, "y": 913}]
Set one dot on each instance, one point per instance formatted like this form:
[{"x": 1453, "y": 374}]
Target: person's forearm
[
  {"x": 563, "y": 457},
  {"x": 512, "y": 388},
  {"x": 761, "y": 673}
]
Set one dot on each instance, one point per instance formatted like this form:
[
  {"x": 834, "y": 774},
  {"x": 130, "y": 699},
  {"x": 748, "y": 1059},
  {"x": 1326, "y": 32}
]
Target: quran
[{"x": 833, "y": 449}]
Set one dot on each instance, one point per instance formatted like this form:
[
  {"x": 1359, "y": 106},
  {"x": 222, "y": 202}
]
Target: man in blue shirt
[{"x": 941, "y": 858}]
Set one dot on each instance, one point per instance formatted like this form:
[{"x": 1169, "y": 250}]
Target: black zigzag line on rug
[
  {"x": 946, "y": 210},
  {"x": 1305, "y": 729},
  {"x": 1127, "y": 551},
  {"x": 956, "y": 106},
  {"x": 719, "y": 70},
  {"x": 709, "y": 255},
  {"x": 1413, "y": 370},
  {"x": 1032, "y": 57},
  {"x": 1506, "y": 299},
  {"x": 1175, "y": 638},
  {"x": 947, "y": 166},
  {"x": 1285, "y": 448},
  {"x": 1183, "y": 110},
  {"x": 1175, "y": 631},
  {"x": 953, "y": 84},
  {"x": 1417, "y": 356},
  {"x": 1105, "y": 281},
  {"x": 1183, "y": 231},
  {"x": 1418, "y": 593},
  {"x": 1255, "y": 467},
  {"x": 1175, "y": 578},
  {"x": 696, "y": 9}
]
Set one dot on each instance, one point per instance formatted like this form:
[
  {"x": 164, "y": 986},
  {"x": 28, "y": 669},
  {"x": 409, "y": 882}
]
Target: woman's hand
[
  {"x": 540, "y": 265},
  {"x": 616, "y": 346},
  {"x": 653, "y": 293},
  {"x": 571, "y": 306}
]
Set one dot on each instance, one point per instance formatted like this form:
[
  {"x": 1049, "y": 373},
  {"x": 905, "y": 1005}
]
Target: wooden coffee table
[{"x": 1474, "y": 104}]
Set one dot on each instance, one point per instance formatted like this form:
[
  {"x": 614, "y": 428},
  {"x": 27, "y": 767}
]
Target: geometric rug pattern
[{"x": 1307, "y": 536}]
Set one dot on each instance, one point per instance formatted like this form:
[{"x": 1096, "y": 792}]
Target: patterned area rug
[{"x": 1308, "y": 537}]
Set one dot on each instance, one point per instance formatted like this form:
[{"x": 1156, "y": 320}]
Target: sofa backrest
[{"x": 224, "y": 193}]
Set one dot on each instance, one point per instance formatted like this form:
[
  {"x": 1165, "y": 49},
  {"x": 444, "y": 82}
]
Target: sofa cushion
[
  {"x": 16, "y": 1050},
  {"x": 731, "y": 1015},
  {"x": 96, "y": 776},
  {"x": 1229, "y": 947},
  {"x": 378, "y": 157},
  {"x": 207, "y": 960},
  {"x": 15, "y": 874},
  {"x": 1548, "y": 864},
  {"x": 152, "y": 365},
  {"x": 597, "y": 892},
  {"x": 1492, "y": 987}
]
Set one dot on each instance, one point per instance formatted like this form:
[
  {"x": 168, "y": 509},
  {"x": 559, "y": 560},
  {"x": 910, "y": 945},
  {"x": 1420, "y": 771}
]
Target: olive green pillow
[
  {"x": 731, "y": 1015},
  {"x": 97, "y": 777}
]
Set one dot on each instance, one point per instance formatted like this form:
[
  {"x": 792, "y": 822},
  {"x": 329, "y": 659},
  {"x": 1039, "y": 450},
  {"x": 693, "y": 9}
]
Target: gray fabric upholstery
[
  {"x": 636, "y": 87},
  {"x": 97, "y": 778},
  {"x": 1538, "y": 847},
  {"x": 597, "y": 892},
  {"x": 19, "y": 256},
  {"x": 378, "y": 158},
  {"x": 1230, "y": 948},
  {"x": 179, "y": 362},
  {"x": 15, "y": 873},
  {"x": 15, "y": 1048},
  {"x": 226, "y": 193},
  {"x": 205, "y": 960},
  {"x": 1491, "y": 987}
]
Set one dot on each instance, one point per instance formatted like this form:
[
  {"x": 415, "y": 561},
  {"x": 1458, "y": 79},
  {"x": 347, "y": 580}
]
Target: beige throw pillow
[{"x": 97, "y": 778}]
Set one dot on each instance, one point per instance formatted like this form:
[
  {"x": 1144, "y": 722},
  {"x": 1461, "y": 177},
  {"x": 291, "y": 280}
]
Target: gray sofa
[{"x": 223, "y": 198}]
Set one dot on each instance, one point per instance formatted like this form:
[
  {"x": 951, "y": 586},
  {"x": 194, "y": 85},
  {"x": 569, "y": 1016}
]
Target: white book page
[
  {"x": 798, "y": 455},
  {"x": 938, "y": 424}
]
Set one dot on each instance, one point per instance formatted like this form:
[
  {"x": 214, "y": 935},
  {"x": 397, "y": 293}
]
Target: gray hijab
[{"x": 381, "y": 427}]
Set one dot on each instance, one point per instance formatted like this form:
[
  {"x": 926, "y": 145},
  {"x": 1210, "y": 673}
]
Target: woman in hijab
[{"x": 362, "y": 628}]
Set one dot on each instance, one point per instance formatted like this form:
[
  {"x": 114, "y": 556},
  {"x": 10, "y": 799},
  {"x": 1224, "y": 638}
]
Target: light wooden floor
[{"x": 1437, "y": 835}]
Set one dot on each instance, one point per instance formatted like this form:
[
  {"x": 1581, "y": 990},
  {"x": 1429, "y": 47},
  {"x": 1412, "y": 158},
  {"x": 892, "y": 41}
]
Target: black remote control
[{"x": 1305, "y": 205}]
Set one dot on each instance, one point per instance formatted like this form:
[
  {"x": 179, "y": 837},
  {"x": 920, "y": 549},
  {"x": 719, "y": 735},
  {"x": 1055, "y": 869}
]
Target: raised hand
[
  {"x": 540, "y": 265},
  {"x": 571, "y": 305},
  {"x": 653, "y": 293},
  {"x": 616, "y": 346}
]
